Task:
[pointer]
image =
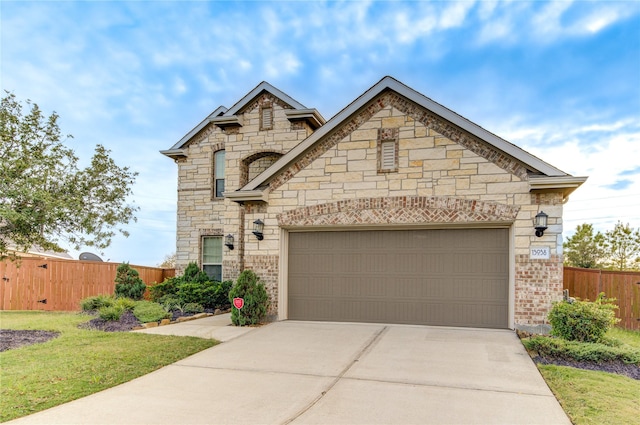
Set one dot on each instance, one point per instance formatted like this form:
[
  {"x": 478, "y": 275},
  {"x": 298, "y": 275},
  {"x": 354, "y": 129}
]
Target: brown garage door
[{"x": 429, "y": 277}]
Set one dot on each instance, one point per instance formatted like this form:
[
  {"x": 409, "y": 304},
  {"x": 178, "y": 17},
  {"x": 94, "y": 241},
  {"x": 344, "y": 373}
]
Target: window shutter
[{"x": 388, "y": 153}]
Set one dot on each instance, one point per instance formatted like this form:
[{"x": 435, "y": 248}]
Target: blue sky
[{"x": 559, "y": 79}]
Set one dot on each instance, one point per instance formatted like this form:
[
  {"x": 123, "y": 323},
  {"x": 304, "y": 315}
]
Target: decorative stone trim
[
  {"x": 399, "y": 210},
  {"x": 418, "y": 113},
  {"x": 254, "y": 156},
  {"x": 211, "y": 232},
  {"x": 264, "y": 99},
  {"x": 551, "y": 198}
]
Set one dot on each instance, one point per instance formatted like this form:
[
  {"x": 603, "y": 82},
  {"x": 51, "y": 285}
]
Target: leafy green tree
[
  {"x": 584, "y": 249},
  {"x": 622, "y": 247},
  {"x": 45, "y": 198}
]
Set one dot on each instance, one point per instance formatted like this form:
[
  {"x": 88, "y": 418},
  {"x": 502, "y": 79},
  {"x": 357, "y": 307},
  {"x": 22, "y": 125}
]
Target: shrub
[
  {"x": 128, "y": 283},
  {"x": 96, "y": 302},
  {"x": 147, "y": 311},
  {"x": 111, "y": 313},
  {"x": 580, "y": 351},
  {"x": 256, "y": 300},
  {"x": 583, "y": 321},
  {"x": 125, "y": 303},
  {"x": 193, "y": 308},
  {"x": 209, "y": 294},
  {"x": 170, "y": 303},
  {"x": 166, "y": 288}
]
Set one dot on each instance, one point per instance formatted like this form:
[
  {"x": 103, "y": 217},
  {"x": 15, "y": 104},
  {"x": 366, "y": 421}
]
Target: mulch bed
[
  {"x": 10, "y": 339},
  {"x": 619, "y": 367}
]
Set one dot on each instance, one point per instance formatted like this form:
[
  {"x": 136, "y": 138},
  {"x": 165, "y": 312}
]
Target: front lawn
[
  {"x": 78, "y": 362},
  {"x": 595, "y": 397}
]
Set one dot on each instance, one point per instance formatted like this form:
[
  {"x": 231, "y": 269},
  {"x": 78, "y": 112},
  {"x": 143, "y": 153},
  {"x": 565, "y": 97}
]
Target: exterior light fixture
[
  {"x": 541, "y": 223},
  {"x": 228, "y": 241},
  {"x": 258, "y": 227}
]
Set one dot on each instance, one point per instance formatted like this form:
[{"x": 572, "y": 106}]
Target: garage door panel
[{"x": 438, "y": 277}]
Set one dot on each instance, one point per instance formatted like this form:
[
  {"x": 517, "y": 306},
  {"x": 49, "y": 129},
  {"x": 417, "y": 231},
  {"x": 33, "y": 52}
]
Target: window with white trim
[
  {"x": 218, "y": 174},
  {"x": 212, "y": 257}
]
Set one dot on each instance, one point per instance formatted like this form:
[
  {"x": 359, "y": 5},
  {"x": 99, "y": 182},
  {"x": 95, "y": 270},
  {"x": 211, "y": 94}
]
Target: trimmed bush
[
  {"x": 193, "y": 286},
  {"x": 125, "y": 303},
  {"x": 97, "y": 302},
  {"x": 573, "y": 350},
  {"x": 167, "y": 288},
  {"x": 193, "y": 308},
  {"x": 147, "y": 311},
  {"x": 256, "y": 299},
  {"x": 583, "y": 321},
  {"x": 111, "y": 313},
  {"x": 128, "y": 283}
]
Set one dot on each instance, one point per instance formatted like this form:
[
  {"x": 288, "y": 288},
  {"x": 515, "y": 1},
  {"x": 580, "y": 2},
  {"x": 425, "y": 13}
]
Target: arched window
[{"x": 218, "y": 174}]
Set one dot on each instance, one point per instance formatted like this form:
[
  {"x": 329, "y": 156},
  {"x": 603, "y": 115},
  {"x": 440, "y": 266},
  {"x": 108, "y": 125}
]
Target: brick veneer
[
  {"x": 399, "y": 210},
  {"x": 538, "y": 283}
]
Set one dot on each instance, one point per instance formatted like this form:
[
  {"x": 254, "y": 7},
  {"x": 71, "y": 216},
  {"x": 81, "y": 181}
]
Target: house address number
[{"x": 540, "y": 253}]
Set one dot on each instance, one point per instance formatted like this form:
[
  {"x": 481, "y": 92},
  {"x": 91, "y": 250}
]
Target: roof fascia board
[
  {"x": 185, "y": 139},
  {"x": 264, "y": 86},
  {"x": 174, "y": 153},
  {"x": 312, "y": 116},
  {"x": 247, "y": 195},
  {"x": 567, "y": 184},
  {"x": 393, "y": 84}
]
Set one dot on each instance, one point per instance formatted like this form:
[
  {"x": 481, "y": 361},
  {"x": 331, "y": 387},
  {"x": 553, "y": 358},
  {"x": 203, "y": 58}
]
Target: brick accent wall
[
  {"x": 538, "y": 283},
  {"x": 399, "y": 210},
  {"x": 266, "y": 266}
]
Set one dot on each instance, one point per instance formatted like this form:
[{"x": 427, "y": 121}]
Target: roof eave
[
  {"x": 565, "y": 184},
  {"x": 311, "y": 116},
  {"x": 389, "y": 83},
  {"x": 174, "y": 154},
  {"x": 241, "y": 196}
]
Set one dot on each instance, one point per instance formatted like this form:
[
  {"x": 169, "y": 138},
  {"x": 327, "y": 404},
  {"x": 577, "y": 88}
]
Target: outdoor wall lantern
[
  {"x": 258, "y": 227},
  {"x": 228, "y": 241},
  {"x": 541, "y": 223}
]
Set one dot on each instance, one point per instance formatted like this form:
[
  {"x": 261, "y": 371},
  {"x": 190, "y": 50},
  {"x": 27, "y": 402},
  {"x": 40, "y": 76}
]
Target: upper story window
[{"x": 218, "y": 174}]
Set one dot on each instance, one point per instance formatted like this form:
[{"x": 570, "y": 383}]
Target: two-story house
[{"x": 396, "y": 210}]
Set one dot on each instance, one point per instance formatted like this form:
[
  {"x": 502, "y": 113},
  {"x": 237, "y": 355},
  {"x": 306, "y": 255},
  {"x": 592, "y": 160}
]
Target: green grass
[
  {"x": 78, "y": 362},
  {"x": 591, "y": 397}
]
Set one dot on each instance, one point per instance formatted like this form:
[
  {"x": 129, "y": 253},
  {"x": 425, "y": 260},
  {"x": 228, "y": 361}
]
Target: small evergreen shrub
[
  {"x": 111, "y": 313},
  {"x": 147, "y": 311},
  {"x": 256, "y": 299},
  {"x": 128, "y": 283},
  {"x": 170, "y": 303},
  {"x": 167, "y": 288},
  {"x": 580, "y": 351},
  {"x": 96, "y": 302},
  {"x": 125, "y": 303},
  {"x": 193, "y": 308},
  {"x": 583, "y": 321}
]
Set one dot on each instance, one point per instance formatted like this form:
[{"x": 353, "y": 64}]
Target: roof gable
[
  {"x": 432, "y": 114},
  {"x": 223, "y": 116}
]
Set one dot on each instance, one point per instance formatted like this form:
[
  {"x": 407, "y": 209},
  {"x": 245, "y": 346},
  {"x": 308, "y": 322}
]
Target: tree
[
  {"x": 45, "y": 198},
  {"x": 169, "y": 261},
  {"x": 622, "y": 247},
  {"x": 584, "y": 249}
]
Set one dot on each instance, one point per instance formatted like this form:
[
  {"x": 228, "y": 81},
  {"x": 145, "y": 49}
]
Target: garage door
[{"x": 429, "y": 277}]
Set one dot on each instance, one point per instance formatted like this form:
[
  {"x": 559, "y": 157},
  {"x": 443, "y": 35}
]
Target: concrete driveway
[{"x": 333, "y": 373}]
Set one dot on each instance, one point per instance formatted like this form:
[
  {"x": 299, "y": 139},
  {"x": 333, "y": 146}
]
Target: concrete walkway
[
  {"x": 213, "y": 327},
  {"x": 333, "y": 373}
]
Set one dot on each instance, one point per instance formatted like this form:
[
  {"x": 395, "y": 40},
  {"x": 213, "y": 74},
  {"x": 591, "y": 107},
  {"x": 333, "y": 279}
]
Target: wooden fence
[
  {"x": 624, "y": 286},
  {"x": 59, "y": 285}
]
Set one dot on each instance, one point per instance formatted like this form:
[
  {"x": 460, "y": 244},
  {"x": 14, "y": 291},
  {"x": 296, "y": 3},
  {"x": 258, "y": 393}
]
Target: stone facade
[{"x": 443, "y": 175}]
